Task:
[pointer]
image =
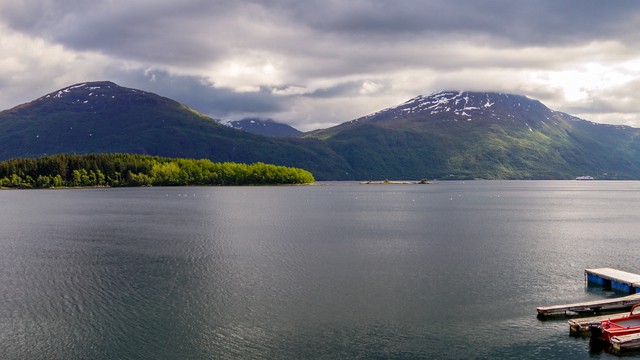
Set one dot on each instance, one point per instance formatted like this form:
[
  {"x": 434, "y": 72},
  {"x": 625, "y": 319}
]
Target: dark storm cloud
[
  {"x": 163, "y": 30},
  {"x": 524, "y": 23},
  {"x": 198, "y": 31},
  {"x": 199, "y": 94}
]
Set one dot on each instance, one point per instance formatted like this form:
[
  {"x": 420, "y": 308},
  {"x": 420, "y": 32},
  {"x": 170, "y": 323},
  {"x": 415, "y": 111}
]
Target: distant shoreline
[
  {"x": 395, "y": 182},
  {"x": 369, "y": 182}
]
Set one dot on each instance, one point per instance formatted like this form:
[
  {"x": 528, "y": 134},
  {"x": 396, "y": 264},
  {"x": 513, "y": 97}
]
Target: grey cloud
[
  {"x": 187, "y": 32},
  {"x": 342, "y": 89},
  {"x": 621, "y": 100},
  {"x": 199, "y": 94},
  {"x": 541, "y": 22},
  {"x": 324, "y": 39},
  {"x": 199, "y": 31}
]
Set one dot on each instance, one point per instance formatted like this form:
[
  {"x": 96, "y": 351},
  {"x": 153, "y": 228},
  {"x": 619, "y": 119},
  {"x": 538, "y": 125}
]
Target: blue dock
[{"x": 614, "y": 279}]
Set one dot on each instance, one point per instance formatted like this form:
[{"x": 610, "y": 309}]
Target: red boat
[{"x": 624, "y": 325}]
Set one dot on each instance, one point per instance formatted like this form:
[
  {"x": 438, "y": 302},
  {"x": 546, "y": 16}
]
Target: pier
[
  {"x": 611, "y": 279},
  {"x": 593, "y": 307}
]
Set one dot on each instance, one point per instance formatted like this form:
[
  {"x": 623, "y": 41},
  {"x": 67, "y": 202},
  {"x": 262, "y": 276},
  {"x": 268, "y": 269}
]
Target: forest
[{"x": 122, "y": 170}]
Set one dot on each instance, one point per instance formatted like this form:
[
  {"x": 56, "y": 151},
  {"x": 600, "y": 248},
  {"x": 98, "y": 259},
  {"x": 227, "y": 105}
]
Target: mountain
[
  {"x": 264, "y": 127},
  {"x": 466, "y": 135},
  {"x": 102, "y": 117},
  {"x": 446, "y": 135}
]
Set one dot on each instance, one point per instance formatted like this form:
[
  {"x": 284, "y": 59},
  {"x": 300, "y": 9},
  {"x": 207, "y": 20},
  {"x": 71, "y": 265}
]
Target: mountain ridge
[{"x": 445, "y": 135}]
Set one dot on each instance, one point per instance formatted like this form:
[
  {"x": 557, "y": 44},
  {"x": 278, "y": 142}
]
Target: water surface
[{"x": 447, "y": 270}]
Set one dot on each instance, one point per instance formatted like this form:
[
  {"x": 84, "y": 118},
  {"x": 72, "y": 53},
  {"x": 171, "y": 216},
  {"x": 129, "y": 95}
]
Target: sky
[{"x": 314, "y": 64}]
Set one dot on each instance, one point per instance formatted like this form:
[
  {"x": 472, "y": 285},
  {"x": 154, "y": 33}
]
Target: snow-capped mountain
[
  {"x": 80, "y": 93},
  {"x": 466, "y": 106},
  {"x": 461, "y": 134},
  {"x": 469, "y": 106},
  {"x": 90, "y": 97}
]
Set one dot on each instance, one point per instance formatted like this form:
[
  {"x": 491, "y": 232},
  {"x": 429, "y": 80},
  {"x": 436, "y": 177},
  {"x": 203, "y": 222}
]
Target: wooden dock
[
  {"x": 612, "y": 279},
  {"x": 593, "y": 307}
]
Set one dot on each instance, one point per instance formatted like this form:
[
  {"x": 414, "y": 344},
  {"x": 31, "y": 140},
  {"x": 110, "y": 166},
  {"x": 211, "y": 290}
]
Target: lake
[{"x": 450, "y": 270}]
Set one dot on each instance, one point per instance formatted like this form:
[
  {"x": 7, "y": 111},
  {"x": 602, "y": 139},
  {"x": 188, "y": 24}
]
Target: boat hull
[{"x": 620, "y": 328}]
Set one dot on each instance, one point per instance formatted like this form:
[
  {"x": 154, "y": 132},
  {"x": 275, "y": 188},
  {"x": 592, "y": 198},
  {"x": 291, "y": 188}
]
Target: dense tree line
[{"x": 139, "y": 170}]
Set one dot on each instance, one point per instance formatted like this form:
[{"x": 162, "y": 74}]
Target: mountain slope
[
  {"x": 264, "y": 127},
  {"x": 482, "y": 135},
  {"x": 102, "y": 117}
]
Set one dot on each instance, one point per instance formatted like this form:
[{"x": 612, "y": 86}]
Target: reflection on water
[{"x": 449, "y": 270}]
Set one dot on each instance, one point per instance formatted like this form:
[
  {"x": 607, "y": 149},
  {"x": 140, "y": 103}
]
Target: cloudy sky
[{"x": 314, "y": 64}]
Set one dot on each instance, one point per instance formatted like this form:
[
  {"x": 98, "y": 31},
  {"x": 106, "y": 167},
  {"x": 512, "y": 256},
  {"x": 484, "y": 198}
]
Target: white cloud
[
  {"x": 30, "y": 67},
  {"x": 290, "y": 90},
  {"x": 371, "y": 87}
]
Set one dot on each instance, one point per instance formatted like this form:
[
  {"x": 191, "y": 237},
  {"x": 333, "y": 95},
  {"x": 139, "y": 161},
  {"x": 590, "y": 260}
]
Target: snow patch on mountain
[
  {"x": 85, "y": 90},
  {"x": 460, "y": 103}
]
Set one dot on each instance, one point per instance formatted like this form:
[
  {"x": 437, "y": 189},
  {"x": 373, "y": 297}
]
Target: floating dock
[{"x": 612, "y": 279}]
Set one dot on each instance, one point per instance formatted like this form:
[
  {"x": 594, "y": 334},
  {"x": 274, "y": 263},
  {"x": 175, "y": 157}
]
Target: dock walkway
[
  {"x": 609, "y": 278},
  {"x": 595, "y": 306}
]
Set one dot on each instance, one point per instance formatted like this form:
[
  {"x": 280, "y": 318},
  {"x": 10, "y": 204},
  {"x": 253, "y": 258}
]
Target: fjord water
[{"x": 447, "y": 270}]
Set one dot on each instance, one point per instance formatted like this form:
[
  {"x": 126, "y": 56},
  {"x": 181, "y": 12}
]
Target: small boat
[
  {"x": 619, "y": 327},
  {"x": 585, "y": 178}
]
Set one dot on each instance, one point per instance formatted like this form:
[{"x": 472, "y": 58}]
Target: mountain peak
[
  {"x": 467, "y": 106},
  {"x": 89, "y": 89},
  {"x": 91, "y": 97}
]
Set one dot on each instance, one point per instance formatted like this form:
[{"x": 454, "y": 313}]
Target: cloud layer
[{"x": 318, "y": 63}]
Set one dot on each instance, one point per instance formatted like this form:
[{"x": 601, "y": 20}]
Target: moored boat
[{"x": 607, "y": 330}]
